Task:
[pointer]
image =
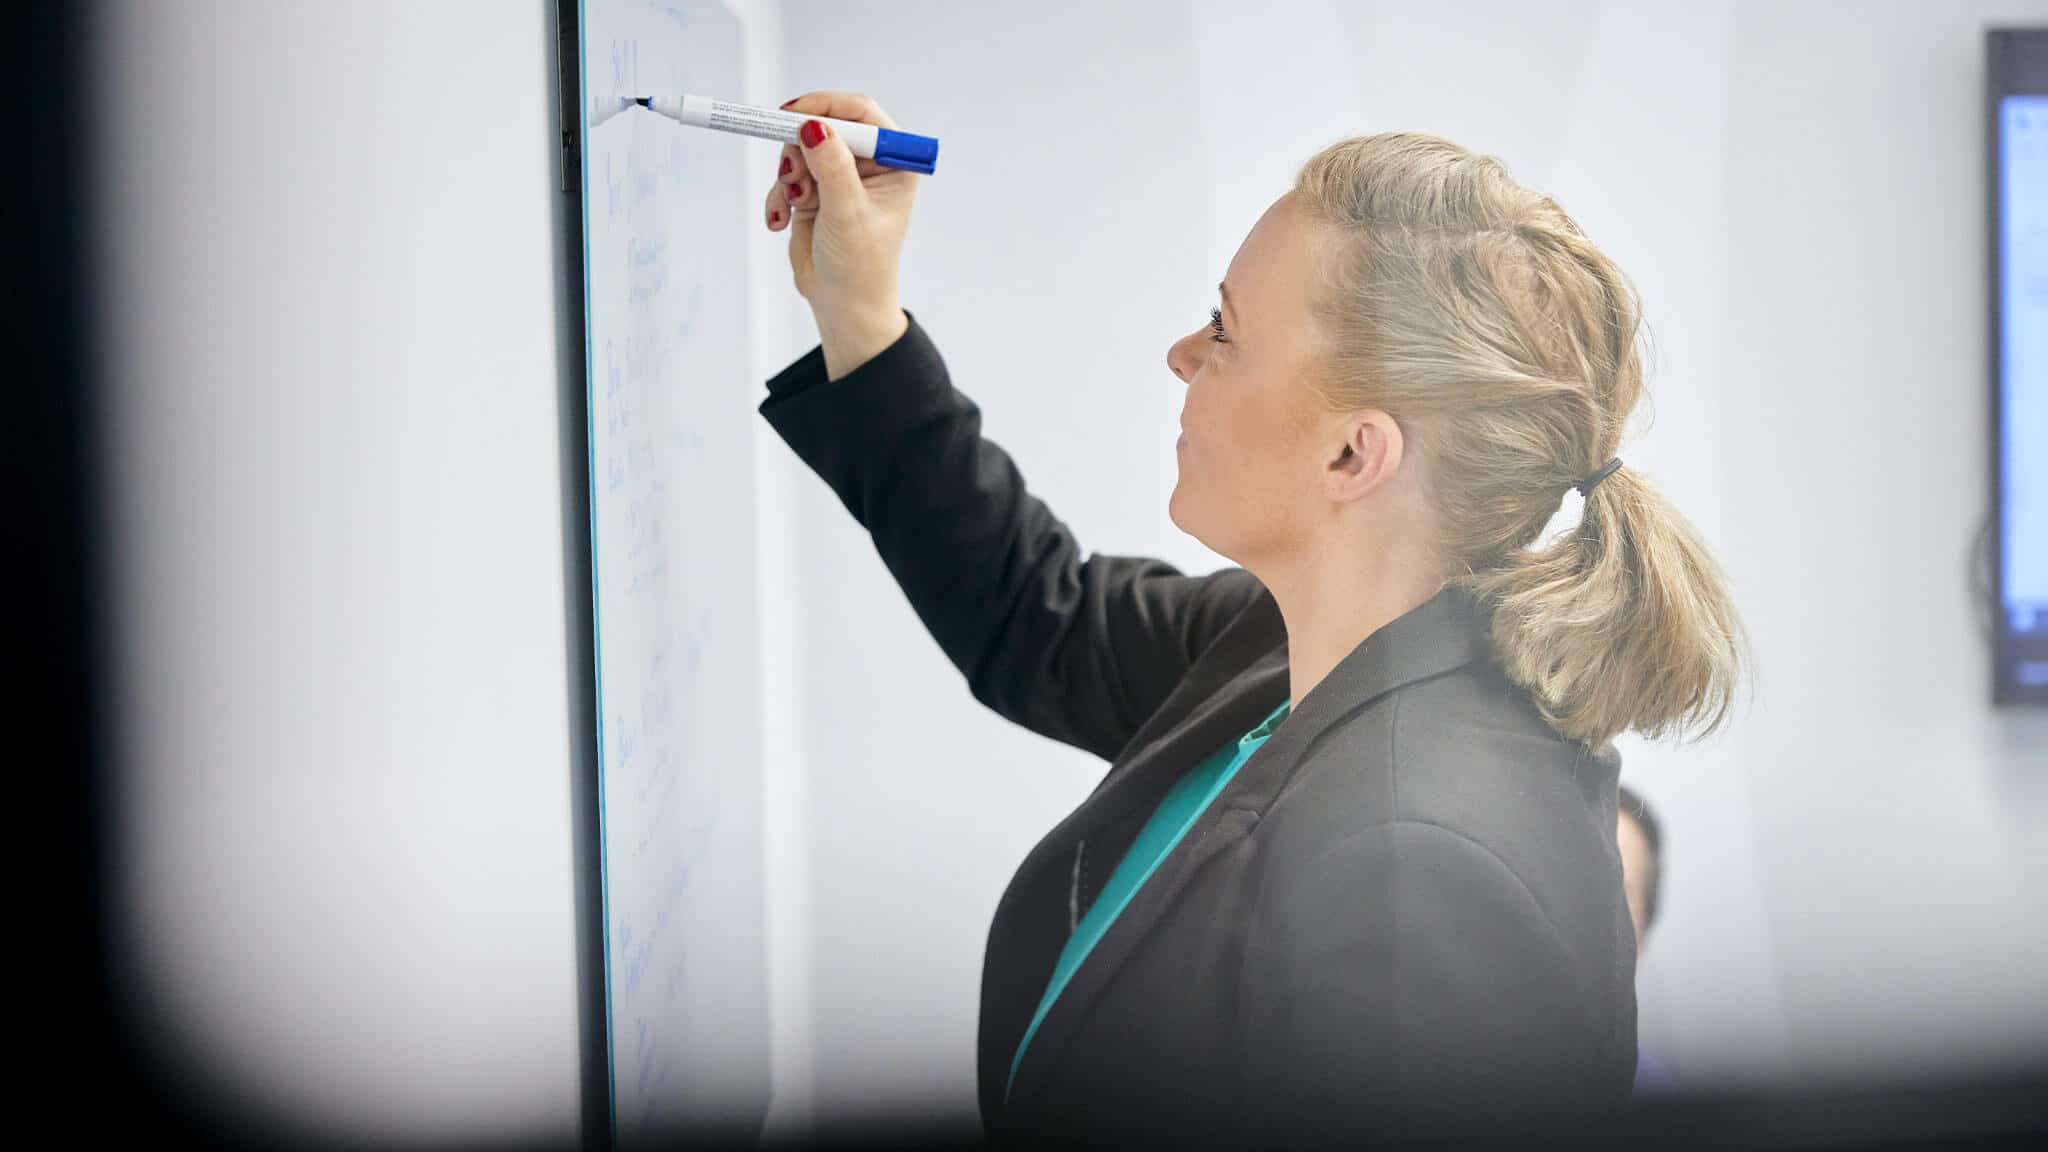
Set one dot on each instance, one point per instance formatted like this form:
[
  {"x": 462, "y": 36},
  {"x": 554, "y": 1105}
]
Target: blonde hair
[{"x": 1478, "y": 315}]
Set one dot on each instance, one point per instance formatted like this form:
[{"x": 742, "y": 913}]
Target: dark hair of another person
[{"x": 1635, "y": 808}]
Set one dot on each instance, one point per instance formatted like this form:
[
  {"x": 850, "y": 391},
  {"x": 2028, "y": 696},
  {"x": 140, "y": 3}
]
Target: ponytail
[
  {"x": 1478, "y": 314},
  {"x": 1623, "y": 624}
]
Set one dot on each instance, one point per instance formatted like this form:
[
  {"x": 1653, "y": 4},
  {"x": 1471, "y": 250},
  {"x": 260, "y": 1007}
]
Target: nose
[{"x": 1184, "y": 357}]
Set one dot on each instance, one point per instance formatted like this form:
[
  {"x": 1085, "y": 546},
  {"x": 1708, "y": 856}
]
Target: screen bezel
[
  {"x": 2016, "y": 65},
  {"x": 573, "y": 407}
]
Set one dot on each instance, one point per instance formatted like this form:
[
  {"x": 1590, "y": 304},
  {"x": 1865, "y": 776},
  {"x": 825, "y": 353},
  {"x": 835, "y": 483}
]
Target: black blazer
[{"x": 1404, "y": 910}]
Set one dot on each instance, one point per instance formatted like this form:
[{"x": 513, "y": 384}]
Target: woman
[{"x": 1352, "y": 869}]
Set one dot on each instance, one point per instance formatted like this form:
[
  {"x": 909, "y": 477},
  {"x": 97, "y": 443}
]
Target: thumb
[{"x": 832, "y": 168}]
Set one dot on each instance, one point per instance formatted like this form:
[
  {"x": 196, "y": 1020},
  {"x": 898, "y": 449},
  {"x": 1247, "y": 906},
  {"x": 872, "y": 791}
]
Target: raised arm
[{"x": 1079, "y": 649}]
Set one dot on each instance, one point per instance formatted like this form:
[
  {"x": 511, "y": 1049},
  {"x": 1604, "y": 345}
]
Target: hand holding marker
[{"x": 844, "y": 190}]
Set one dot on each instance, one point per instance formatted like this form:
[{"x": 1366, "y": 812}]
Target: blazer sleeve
[
  {"x": 1081, "y": 650},
  {"x": 1405, "y": 983}
]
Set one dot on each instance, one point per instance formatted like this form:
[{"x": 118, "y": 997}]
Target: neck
[{"x": 1335, "y": 594}]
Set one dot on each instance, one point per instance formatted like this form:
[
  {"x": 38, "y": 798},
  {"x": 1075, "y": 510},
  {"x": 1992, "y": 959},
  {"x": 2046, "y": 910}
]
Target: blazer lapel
[
  {"x": 1440, "y": 635},
  {"x": 1218, "y": 700}
]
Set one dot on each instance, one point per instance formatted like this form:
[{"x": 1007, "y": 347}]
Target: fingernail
[
  {"x": 795, "y": 191},
  {"x": 785, "y": 166},
  {"x": 791, "y": 100},
  {"x": 813, "y": 133},
  {"x": 775, "y": 217}
]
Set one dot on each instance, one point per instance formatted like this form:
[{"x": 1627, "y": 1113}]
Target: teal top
[{"x": 1186, "y": 800}]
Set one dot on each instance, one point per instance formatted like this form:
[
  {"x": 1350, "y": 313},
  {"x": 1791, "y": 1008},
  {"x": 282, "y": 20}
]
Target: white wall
[
  {"x": 1896, "y": 814},
  {"x": 329, "y": 344},
  {"x": 1796, "y": 190}
]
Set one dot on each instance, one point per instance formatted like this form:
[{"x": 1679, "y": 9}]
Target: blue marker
[{"x": 885, "y": 146}]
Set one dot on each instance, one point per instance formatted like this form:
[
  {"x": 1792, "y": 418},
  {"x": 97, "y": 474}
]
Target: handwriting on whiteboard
[{"x": 671, "y": 426}]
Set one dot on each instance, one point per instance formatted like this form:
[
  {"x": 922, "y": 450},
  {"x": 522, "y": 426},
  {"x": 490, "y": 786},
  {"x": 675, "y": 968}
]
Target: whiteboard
[{"x": 671, "y": 408}]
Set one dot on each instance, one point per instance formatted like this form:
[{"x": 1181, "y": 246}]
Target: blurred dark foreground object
[
  {"x": 1994, "y": 1110},
  {"x": 2003, "y": 1110}
]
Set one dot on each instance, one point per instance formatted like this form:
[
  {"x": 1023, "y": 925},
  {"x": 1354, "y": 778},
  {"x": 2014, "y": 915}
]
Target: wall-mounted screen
[{"x": 2019, "y": 110}]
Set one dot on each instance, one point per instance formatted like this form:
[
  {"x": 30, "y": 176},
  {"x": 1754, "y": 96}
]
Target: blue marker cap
[{"x": 906, "y": 150}]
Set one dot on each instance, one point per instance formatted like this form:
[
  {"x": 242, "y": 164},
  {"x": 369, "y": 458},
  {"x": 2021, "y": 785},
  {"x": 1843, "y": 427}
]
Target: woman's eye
[{"x": 1216, "y": 326}]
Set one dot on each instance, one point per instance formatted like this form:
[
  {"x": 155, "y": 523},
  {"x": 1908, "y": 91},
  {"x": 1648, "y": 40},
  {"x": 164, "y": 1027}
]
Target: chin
[{"x": 1176, "y": 511}]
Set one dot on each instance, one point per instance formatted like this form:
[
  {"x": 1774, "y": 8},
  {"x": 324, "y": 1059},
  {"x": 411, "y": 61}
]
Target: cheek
[
  {"x": 1215, "y": 409},
  {"x": 1263, "y": 437},
  {"x": 1229, "y": 427},
  {"x": 1232, "y": 409}
]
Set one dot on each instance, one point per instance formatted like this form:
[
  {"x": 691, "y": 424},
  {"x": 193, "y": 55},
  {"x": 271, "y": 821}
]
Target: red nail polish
[
  {"x": 795, "y": 191},
  {"x": 775, "y": 217},
  {"x": 813, "y": 133},
  {"x": 791, "y": 100},
  {"x": 785, "y": 166}
]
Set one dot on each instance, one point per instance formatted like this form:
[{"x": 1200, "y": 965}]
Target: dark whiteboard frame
[
  {"x": 586, "y": 837},
  {"x": 2016, "y": 64}
]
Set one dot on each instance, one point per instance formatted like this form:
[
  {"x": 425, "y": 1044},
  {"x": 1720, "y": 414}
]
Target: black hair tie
[{"x": 1586, "y": 486}]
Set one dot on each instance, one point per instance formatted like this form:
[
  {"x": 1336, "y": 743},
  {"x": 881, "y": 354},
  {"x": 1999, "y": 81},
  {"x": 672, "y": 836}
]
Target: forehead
[{"x": 1270, "y": 275}]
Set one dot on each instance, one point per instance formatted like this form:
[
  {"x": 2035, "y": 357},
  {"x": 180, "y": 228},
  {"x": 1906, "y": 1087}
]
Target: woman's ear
[{"x": 1367, "y": 456}]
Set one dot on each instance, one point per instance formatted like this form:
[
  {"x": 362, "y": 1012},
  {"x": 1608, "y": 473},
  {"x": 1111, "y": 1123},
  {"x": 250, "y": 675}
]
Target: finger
[
  {"x": 776, "y": 211},
  {"x": 800, "y": 193},
  {"x": 856, "y": 106},
  {"x": 800, "y": 230},
  {"x": 793, "y": 167},
  {"x": 834, "y": 185}
]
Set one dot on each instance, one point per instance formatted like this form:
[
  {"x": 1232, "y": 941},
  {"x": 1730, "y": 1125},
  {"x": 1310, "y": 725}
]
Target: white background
[{"x": 331, "y": 337}]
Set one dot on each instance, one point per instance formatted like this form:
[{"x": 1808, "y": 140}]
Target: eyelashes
[{"x": 1216, "y": 326}]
